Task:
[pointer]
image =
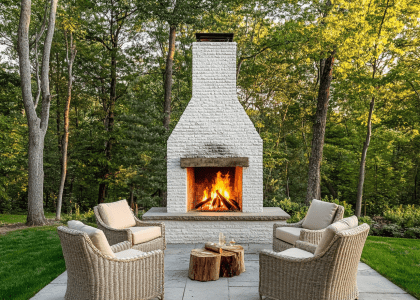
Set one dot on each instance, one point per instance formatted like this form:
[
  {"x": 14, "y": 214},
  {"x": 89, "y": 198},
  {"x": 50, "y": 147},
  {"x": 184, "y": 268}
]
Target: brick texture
[
  {"x": 193, "y": 232},
  {"x": 214, "y": 124}
]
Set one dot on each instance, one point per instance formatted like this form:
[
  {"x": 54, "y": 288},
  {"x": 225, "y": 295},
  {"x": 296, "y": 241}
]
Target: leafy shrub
[
  {"x": 404, "y": 216},
  {"x": 348, "y": 210},
  {"x": 86, "y": 217},
  {"x": 365, "y": 219},
  {"x": 392, "y": 230},
  {"x": 296, "y": 210},
  {"x": 412, "y": 233}
]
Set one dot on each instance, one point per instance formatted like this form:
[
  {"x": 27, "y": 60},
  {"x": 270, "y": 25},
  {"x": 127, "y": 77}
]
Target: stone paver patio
[{"x": 178, "y": 286}]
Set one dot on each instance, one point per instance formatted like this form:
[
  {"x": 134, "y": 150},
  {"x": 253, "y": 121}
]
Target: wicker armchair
[
  {"x": 115, "y": 236},
  {"x": 91, "y": 275},
  {"x": 330, "y": 275},
  {"x": 311, "y": 236}
]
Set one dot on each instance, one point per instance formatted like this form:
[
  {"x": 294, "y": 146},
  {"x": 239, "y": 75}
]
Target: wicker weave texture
[
  {"x": 115, "y": 236},
  {"x": 331, "y": 275},
  {"x": 94, "y": 276},
  {"x": 279, "y": 245},
  {"x": 310, "y": 236}
]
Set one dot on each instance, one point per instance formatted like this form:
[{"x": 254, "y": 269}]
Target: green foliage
[
  {"x": 392, "y": 230},
  {"x": 296, "y": 211},
  {"x": 412, "y": 233},
  {"x": 404, "y": 216},
  {"x": 366, "y": 219},
  {"x": 86, "y": 217},
  {"x": 348, "y": 210}
]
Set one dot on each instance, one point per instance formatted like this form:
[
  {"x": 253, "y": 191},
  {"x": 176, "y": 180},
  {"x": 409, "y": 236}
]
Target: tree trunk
[
  {"x": 314, "y": 173},
  {"x": 109, "y": 119},
  {"x": 37, "y": 126},
  {"x": 168, "y": 77},
  {"x": 65, "y": 140},
  {"x": 363, "y": 160}
]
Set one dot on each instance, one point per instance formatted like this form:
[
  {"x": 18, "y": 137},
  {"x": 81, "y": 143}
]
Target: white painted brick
[
  {"x": 193, "y": 232},
  {"x": 214, "y": 118}
]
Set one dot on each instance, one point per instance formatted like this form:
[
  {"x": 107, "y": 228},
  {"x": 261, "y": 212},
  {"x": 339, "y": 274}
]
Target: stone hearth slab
[
  {"x": 268, "y": 214},
  {"x": 200, "y": 227}
]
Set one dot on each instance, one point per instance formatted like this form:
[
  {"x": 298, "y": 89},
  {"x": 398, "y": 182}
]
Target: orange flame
[{"x": 221, "y": 184}]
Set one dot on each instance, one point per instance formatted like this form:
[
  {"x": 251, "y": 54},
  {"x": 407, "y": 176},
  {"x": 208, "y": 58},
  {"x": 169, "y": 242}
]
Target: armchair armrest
[
  {"x": 305, "y": 246},
  {"x": 121, "y": 246},
  {"x": 276, "y": 225},
  {"x": 311, "y": 236},
  {"x": 279, "y": 256},
  {"x": 159, "y": 224},
  {"x": 113, "y": 235}
]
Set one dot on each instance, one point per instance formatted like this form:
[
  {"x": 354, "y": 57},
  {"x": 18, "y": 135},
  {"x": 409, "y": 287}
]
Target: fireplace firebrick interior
[{"x": 217, "y": 189}]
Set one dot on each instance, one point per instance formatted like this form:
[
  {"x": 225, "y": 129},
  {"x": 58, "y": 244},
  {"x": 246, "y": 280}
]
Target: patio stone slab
[
  {"x": 243, "y": 293},
  {"x": 370, "y": 281},
  {"x": 178, "y": 286},
  {"x": 209, "y": 290},
  {"x": 372, "y": 296},
  {"x": 61, "y": 279},
  {"x": 51, "y": 292}
]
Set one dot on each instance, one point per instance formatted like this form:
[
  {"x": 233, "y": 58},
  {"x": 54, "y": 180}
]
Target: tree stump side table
[
  {"x": 232, "y": 261},
  {"x": 204, "y": 265}
]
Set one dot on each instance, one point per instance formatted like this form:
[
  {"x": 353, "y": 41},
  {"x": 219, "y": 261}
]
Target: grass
[
  {"x": 12, "y": 219},
  {"x": 396, "y": 259},
  {"x": 30, "y": 259}
]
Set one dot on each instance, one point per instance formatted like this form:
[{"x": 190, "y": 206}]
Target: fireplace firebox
[{"x": 214, "y": 188}]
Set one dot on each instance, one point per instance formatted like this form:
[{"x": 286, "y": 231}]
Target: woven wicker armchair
[
  {"x": 115, "y": 236},
  {"x": 91, "y": 275},
  {"x": 311, "y": 236},
  {"x": 330, "y": 275}
]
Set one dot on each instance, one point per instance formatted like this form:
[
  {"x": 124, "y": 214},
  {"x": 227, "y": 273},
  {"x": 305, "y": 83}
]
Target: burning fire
[{"x": 219, "y": 198}]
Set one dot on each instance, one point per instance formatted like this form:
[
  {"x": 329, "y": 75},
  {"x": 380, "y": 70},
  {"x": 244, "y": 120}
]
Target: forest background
[{"x": 119, "y": 124}]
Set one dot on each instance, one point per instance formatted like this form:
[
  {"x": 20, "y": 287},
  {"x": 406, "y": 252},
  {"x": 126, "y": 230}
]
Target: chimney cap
[{"x": 214, "y": 37}]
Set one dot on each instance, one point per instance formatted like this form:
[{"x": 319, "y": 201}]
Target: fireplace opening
[{"x": 214, "y": 189}]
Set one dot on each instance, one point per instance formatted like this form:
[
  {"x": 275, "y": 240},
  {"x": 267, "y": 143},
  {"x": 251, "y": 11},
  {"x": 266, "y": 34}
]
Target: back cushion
[
  {"x": 320, "y": 215},
  {"x": 117, "y": 214},
  {"x": 97, "y": 236},
  {"x": 332, "y": 230}
]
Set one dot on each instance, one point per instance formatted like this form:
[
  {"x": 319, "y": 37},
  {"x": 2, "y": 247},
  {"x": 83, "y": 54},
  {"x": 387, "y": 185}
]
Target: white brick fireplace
[
  {"x": 215, "y": 131},
  {"x": 215, "y": 125}
]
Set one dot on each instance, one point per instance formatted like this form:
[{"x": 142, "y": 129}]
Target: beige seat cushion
[
  {"x": 117, "y": 214},
  {"x": 296, "y": 252},
  {"x": 288, "y": 234},
  {"x": 320, "y": 215},
  {"x": 145, "y": 234},
  {"x": 128, "y": 253},
  {"x": 97, "y": 237},
  {"x": 332, "y": 230}
]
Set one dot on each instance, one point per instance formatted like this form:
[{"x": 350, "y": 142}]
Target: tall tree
[
  {"x": 37, "y": 125},
  {"x": 313, "y": 190},
  {"x": 70, "y": 56}
]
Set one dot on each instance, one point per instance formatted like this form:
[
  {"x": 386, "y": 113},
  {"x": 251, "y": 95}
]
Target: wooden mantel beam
[{"x": 215, "y": 162}]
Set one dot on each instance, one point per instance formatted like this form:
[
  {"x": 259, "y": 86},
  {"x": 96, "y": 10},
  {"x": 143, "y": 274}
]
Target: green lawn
[
  {"x": 396, "y": 259},
  {"x": 29, "y": 260},
  {"x": 12, "y": 219}
]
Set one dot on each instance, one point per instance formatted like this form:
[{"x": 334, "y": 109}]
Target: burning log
[
  {"x": 202, "y": 203},
  {"x": 235, "y": 203},
  {"x": 227, "y": 202}
]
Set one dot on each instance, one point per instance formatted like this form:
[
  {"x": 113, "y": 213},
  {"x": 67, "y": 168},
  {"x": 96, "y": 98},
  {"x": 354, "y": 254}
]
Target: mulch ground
[{"x": 17, "y": 226}]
